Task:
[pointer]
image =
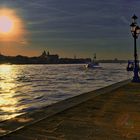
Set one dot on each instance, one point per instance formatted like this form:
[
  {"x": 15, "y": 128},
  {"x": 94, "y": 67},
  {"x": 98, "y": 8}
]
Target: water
[{"x": 25, "y": 88}]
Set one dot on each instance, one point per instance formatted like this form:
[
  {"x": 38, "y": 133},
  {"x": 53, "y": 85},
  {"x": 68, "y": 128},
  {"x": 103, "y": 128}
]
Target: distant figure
[{"x": 130, "y": 66}]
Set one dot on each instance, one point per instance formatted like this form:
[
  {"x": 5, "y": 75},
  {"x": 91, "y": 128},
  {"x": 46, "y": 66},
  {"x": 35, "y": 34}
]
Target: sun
[
  {"x": 12, "y": 26},
  {"x": 6, "y": 24}
]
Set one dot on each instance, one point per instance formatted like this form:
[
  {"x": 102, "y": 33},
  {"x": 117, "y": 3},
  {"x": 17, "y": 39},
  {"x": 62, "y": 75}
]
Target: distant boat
[{"x": 93, "y": 64}]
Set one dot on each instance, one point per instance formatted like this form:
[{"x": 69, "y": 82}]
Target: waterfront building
[{"x": 49, "y": 57}]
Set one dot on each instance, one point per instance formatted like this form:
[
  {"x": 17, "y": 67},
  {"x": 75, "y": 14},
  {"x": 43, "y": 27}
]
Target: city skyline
[{"x": 68, "y": 28}]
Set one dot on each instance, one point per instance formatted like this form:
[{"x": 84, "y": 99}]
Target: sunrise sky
[{"x": 70, "y": 27}]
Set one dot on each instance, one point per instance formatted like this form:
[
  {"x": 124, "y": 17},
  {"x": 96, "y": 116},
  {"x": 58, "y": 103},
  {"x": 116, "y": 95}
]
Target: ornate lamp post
[{"x": 135, "y": 30}]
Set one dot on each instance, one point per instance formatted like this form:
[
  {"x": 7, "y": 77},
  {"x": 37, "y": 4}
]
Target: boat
[{"x": 93, "y": 64}]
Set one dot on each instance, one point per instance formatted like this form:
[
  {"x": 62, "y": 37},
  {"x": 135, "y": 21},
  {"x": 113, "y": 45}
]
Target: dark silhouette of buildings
[
  {"x": 47, "y": 58},
  {"x": 44, "y": 58}
]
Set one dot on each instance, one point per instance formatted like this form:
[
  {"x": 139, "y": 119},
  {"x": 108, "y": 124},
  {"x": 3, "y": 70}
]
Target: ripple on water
[{"x": 26, "y": 88}]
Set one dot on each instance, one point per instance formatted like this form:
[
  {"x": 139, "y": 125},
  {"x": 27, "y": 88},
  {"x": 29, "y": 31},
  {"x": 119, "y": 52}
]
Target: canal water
[{"x": 25, "y": 88}]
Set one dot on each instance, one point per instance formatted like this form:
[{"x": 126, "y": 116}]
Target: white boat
[{"x": 93, "y": 64}]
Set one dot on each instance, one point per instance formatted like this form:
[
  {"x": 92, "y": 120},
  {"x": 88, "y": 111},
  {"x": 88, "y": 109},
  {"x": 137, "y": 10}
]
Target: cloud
[{"x": 60, "y": 23}]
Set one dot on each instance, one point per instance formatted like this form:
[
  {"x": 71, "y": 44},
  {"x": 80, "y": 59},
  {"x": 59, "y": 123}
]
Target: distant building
[
  {"x": 43, "y": 55},
  {"x": 49, "y": 57},
  {"x": 1, "y": 56},
  {"x": 44, "y": 58}
]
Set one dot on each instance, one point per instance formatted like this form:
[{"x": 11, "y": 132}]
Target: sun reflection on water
[
  {"x": 5, "y": 69},
  {"x": 26, "y": 88},
  {"x": 8, "y": 104}
]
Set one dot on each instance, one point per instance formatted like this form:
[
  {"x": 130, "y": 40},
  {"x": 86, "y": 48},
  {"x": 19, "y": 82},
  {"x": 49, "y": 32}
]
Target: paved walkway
[{"x": 111, "y": 116}]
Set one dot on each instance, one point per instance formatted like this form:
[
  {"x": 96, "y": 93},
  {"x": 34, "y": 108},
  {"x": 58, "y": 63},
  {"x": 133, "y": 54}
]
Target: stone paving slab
[{"x": 114, "y": 115}]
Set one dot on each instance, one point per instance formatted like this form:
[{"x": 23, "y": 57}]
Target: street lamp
[{"x": 135, "y": 30}]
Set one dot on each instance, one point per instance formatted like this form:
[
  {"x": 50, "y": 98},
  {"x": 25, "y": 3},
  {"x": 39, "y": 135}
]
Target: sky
[{"x": 73, "y": 28}]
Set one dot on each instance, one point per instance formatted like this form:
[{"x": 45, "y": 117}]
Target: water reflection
[
  {"x": 5, "y": 68},
  {"x": 25, "y": 88},
  {"x": 7, "y": 85}
]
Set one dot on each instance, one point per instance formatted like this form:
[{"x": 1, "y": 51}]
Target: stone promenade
[{"x": 114, "y": 115}]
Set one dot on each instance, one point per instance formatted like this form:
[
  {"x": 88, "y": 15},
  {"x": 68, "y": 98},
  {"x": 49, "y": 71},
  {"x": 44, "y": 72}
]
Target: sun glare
[
  {"x": 6, "y": 24},
  {"x": 11, "y": 25}
]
